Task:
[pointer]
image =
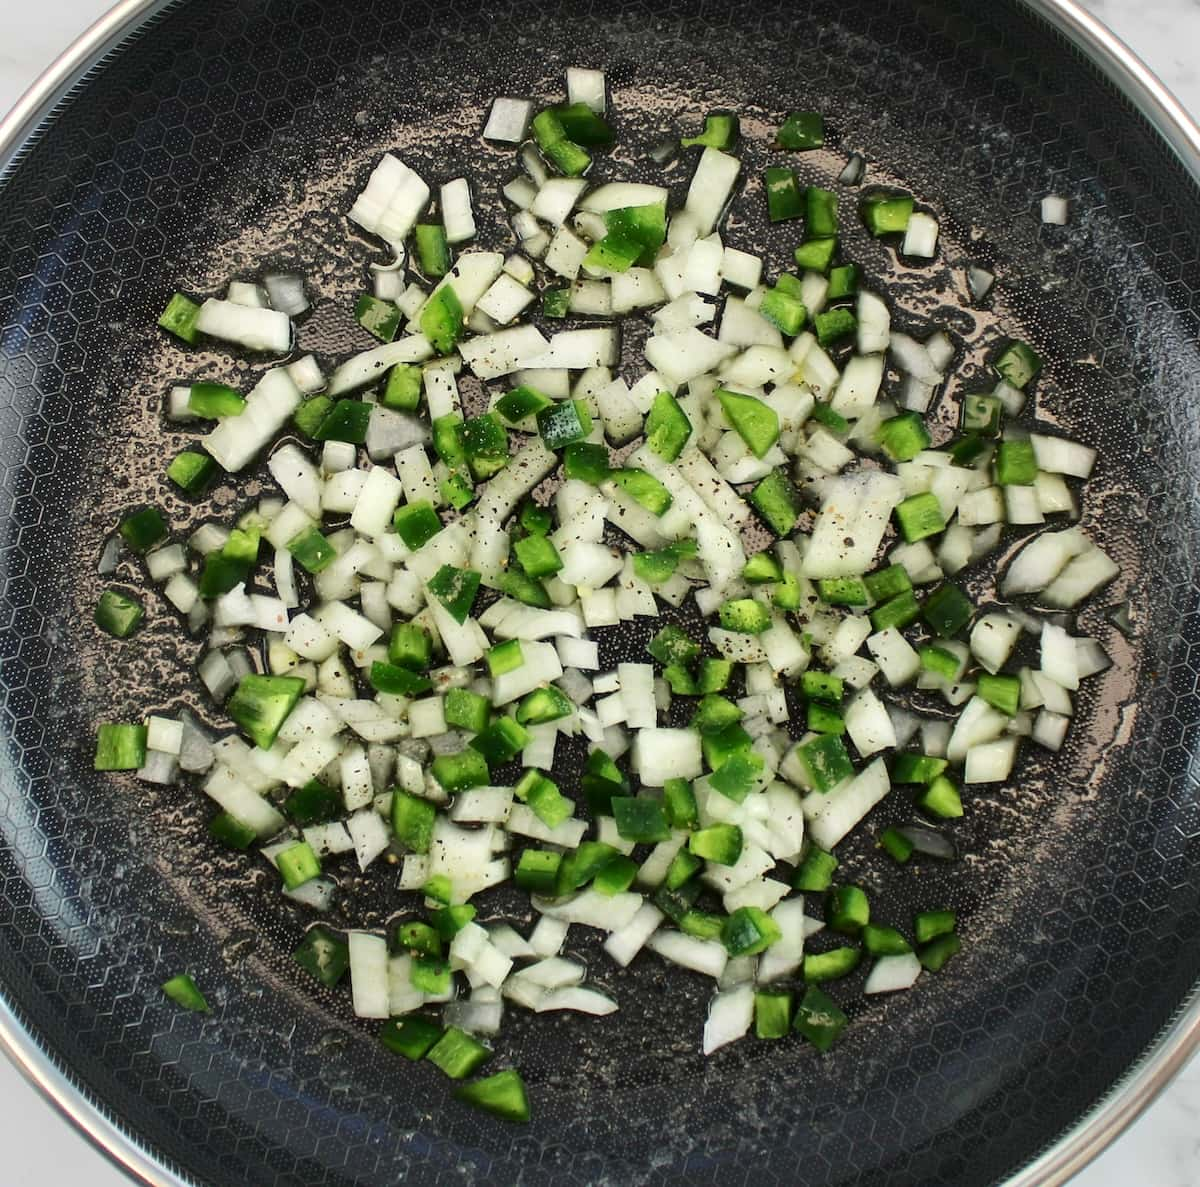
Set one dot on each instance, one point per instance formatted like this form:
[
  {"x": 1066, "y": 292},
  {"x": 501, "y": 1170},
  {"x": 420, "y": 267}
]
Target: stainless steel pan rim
[{"x": 1075, "y": 1147}]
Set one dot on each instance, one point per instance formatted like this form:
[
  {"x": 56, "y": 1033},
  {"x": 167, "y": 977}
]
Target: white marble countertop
[{"x": 1162, "y": 1149}]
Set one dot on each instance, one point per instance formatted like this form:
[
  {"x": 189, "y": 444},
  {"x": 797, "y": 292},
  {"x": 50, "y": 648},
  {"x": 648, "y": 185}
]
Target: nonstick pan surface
[{"x": 226, "y": 138}]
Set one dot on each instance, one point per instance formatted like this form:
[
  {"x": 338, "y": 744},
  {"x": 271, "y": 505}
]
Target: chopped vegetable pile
[{"x": 430, "y": 653}]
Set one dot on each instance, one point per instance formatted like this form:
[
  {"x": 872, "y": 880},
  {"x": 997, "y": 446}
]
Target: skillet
[{"x": 187, "y": 143}]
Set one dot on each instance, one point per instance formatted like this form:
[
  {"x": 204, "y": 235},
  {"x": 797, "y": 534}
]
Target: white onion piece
[
  {"x": 371, "y": 365},
  {"x": 510, "y": 941},
  {"x": 858, "y": 386},
  {"x": 763, "y": 893},
  {"x": 369, "y": 975},
  {"x": 1057, "y": 455},
  {"x": 711, "y": 187},
  {"x": 891, "y": 973},
  {"x": 742, "y": 325},
  {"x": 392, "y": 201},
  {"x": 685, "y": 354},
  {"x": 990, "y": 762},
  {"x": 565, "y": 253},
  {"x": 556, "y": 198},
  {"x": 316, "y": 893},
  {"x": 1055, "y": 210},
  {"x": 740, "y": 269},
  {"x": 897, "y": 660},
  {"x": 237, "y": 440},
  {"x": 508, "y": 120},
  {"x": 415, "y": 872},
  {"x": 920, "y": 236},
  {"x": 1091, "y": 658},
  {"x": 662, "y": 754},
  {"x": 701, "y": 956},
  {"x": 940, "y": 349},
  {"x": 979, "y": 282},
  {"x": 911, "y": 357},
  {"x": 553, "y": 972},
  {"x": 1021, "y": 505},
  {"x": 635, "y": 288},
  {"x": 577, "y": 998},
  {"x": 492, "y": 355},
  {"x": 1052, "y": 695},
  {"x": 616, "y": 195},
  {"x": 457, "y": 216},
  {"x": 245, "y": 325},
  {"x": 504, "y": 300},
  {"x": 847, "y": 637},
  {"x": 993, "y": 638},
  {"x": 587, "y": 87},
  {"x": 548, "y": 936},
  {"x": 1079, "y": 578},
  {"x": 730, "y": 1016},
  {"x": 829, "y": 817},
  {"x": 623, "y": 945},
  {"x": 370, "y": 834},
  {"x": 1041, "y": 560},
  {"x": 1050, "y": 729},
  {"x": 195, "y": 748},
  {"x": 158, "y": 767},
  {"x": 482, "y": 805},
  {"x": 475, "y": 1017},
  {"x": 654, "y": 869},
  {"x": 868, "y": 724},
  {"x": 1060, "y": 660},
  {"x": 874, "y": 324},
  {"x": 753, "y": 863},
  {"x": 977, "y": 723},
  {"x": 852, "y": 171},
  {"x": 607, "y": 912},
  {"x": 527, "y": 468},
  {"x": 523, "y": 992},
  {"x": 785, "y": 956},
  {"x": 286, "y": 290}
]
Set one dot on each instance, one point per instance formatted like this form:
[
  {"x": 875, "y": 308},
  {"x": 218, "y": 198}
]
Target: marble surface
[{"x": 1162, "y": 1149}]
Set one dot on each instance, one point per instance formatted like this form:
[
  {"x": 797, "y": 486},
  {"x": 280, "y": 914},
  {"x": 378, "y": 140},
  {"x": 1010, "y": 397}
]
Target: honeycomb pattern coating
[{"x": 226, "y": 138}]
